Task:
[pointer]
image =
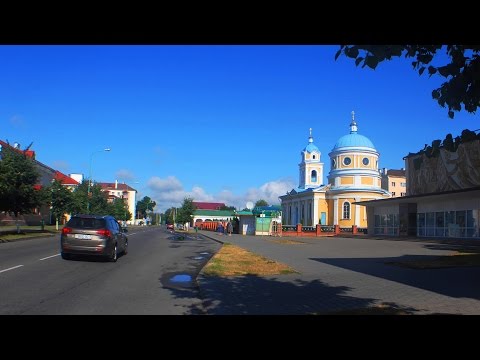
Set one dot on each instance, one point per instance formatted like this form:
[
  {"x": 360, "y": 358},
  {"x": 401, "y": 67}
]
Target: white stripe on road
[
  {"x": 11, "y": 268},
  {"x": 48, "y": 257}
]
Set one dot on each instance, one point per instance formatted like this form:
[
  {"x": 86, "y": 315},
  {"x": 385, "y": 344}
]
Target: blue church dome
[
  {"x": 311, "y": 148},
  {"x": 353, "y": 139}
]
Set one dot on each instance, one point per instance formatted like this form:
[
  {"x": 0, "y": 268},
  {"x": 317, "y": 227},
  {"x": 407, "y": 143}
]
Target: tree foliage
[
  {"x": 119, "y": 210},
  {"x": 225, "y": 207},
  {"x": 461, "y": 69},
  {"x": 59, "y": 198},
  {"x": 169, "y": 216},
  {"x": 98, "y": 200},
  {"x": 185, "y": 212},
  {"x": 18, "y": 176},
  {"x": 261, "y": 202},
  {"x": 145, "y": 204}
]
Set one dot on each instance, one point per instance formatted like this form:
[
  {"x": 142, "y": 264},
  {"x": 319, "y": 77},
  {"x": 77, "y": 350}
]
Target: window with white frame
[{"x": 346, "y": 210}]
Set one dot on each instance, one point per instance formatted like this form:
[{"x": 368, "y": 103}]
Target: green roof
[
  {"x": 244, "y": 212},
  {"x": 214, "y": 213}
]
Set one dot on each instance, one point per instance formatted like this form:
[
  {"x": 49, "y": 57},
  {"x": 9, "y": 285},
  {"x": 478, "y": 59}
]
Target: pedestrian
[
  {"x": 229, "y": 228},
  {"x": 220, "y": 228}
]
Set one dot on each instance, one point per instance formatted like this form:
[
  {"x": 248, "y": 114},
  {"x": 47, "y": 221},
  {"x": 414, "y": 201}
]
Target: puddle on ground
[
  {"x": 177, "y": 281},
  {"x": 204, "y": 253},
  {"x": 181, "y": 278},
  {"x": 198, "y": 258}
]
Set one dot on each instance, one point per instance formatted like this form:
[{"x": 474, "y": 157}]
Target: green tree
[
  {"x": 185, "y": 212},
  {"x": 144, "y": 205},
  {"x": 261, "y": 202},
  {"x": 18, "y": 176},
  {"x": 224, "y": 207},
  {"x": 59, "y": 198},
  {"x": 98, "y": 200},
  {"x": 169, "y": 216},
  {"x": 119, "y": 209},
  {"x": 461, "y": 69}
]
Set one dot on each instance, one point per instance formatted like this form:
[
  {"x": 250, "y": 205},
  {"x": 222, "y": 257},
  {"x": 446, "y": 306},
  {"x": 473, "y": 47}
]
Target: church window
[
  {"x": 334, "y": 164},
  {"x": 346, "y": 210},
  {"x": 365, "y": 161},
  {"x": 314, "y": 157},
  {"x": 347, "y": 161},
  {"x": 314, "y": 176}
]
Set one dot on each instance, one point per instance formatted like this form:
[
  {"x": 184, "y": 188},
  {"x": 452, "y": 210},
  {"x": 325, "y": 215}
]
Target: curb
[
  {"x": 27, "y": 238},
  {"x": 212, "y": 238}
]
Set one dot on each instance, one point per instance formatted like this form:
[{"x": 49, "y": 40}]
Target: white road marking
[
  {"x": 48, "y": 257},
  {"x": 11, "y": 268}
]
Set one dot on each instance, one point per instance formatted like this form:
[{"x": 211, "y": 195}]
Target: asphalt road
[{"x": 35, "y": 280}]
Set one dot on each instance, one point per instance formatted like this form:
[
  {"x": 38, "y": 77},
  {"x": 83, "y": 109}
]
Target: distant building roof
[
  {"x": 64, "y": 179},
  {"x": 267, "y": 210},
  {"x": 393, "y": 172},
  {"x": 208, "y": 205},
  {"x": 214, "y": 213},
  {"x": 111, "y": 186},
  {"x": 29, "y": 153},
  {"x": 244, "y": 213}
]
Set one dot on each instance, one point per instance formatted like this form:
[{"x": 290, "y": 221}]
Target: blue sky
[{"x": 195, "y": 120}]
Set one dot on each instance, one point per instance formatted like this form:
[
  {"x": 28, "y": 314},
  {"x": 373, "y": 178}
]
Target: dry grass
[
  {"x": 457, "y": 259},
  {"x": 232, "y": 260},
  {"x": 287, "y": 242}
]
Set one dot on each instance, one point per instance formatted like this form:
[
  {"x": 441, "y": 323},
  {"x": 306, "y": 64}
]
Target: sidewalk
[{"x": 339, "y": 273}]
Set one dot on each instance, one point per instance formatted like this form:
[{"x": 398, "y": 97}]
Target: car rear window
[{"x": 86, "y": 223}]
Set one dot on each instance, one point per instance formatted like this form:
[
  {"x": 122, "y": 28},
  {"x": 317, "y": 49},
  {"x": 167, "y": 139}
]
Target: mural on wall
[{"x": 444, "y": 170}]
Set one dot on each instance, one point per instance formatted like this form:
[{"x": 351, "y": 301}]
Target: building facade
[
  {"x": 443, "y": 194},
  {"x": 394, "y": 181},
  {"x": 124, "y": 192},
  {"x": 353, "y": 177}
]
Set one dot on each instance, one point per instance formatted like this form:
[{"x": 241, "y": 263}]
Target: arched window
[
  {"x": 314, "y": 176},
  {"x": 313, "y": 156},
  {"x": 346, "y": 210}
]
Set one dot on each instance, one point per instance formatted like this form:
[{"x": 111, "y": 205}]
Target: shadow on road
[{"x": 456, "y": 282}]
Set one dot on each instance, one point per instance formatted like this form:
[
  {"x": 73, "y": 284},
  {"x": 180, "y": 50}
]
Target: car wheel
[
  {"x": 66, "y": 256},
  {"x": 113, "y": 255}
]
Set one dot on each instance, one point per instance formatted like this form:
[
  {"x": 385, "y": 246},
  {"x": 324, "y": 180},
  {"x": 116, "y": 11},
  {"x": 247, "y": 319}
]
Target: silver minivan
[{"x": 93, "y": 235}]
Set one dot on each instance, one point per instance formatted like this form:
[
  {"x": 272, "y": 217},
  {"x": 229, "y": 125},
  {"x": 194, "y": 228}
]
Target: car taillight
[
  {"x": 66, "y": 230},
  {"x": 104, "y": 232}
]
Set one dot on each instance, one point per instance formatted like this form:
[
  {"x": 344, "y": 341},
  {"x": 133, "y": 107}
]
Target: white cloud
[
  {"x": 171, "y": 183},
  {"x": 169, "y": 192},
  {"x": 124, "y": 175}
]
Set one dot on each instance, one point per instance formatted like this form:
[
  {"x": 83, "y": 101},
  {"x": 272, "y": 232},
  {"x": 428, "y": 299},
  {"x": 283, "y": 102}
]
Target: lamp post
[{"x": 90, "y": 177}]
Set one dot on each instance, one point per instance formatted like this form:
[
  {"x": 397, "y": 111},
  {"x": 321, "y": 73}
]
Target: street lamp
[{"x": 90, "y": 177}]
